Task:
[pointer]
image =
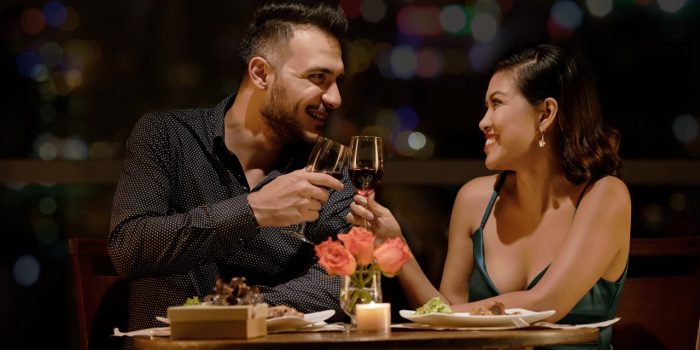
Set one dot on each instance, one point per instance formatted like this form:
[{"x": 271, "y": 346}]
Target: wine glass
[
  {"x": 366, "y": 164},
  {"x": 328, "y": 157}
]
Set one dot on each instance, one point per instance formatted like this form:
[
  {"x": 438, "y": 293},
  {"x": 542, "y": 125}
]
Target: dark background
[{"x": 76, "y": 75}]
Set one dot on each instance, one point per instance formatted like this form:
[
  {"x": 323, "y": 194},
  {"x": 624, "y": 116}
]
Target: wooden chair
[
  {"x": 660, "y": 303},
  {"x": 101, "y": 296}
]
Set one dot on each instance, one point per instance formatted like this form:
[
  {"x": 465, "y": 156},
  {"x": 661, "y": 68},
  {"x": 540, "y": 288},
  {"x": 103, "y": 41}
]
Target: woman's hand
[{"x": 367, "y": 212}]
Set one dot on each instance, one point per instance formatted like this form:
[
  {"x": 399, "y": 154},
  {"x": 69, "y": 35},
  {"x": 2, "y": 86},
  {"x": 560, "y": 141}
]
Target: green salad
[
  {"x": 434, "y": 305},
  {"x": 192, "y": 301}
]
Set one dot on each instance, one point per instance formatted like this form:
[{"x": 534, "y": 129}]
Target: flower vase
[{"x": 360, "y": 287}]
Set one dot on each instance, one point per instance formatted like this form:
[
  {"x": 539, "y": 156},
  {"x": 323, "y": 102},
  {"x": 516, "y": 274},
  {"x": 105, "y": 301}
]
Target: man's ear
[
  {"x": 548, "y": 114},
  {"x": 259, "y": 70}
]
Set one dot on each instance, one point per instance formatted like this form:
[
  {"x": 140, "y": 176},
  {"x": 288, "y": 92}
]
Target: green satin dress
[{"x": 599, "y": 304}]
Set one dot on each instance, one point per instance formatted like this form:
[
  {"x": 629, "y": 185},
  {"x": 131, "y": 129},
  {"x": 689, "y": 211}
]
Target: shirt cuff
[{"x": 233, "y": 221}]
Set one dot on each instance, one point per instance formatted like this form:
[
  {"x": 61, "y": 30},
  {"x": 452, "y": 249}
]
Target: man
[{"x": 205, "y": 192}]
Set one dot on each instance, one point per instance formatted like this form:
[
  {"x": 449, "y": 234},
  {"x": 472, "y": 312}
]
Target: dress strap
[
  {"x": 590, "y": 182},
  {"x": 489, "y": 207}
]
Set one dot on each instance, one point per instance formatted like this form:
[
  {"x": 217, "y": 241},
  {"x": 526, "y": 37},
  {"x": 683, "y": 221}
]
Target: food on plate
[
  {"x": 237, "y": 292},
  {"x": 192, "y": 301},
  {"x": 494, "y": 309},
  {"x": 282, "y": 310},
  {"x": 434, "y": 305}
]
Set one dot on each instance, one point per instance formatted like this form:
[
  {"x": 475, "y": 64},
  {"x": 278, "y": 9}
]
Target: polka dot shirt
[{"x": 180, "y": 217}]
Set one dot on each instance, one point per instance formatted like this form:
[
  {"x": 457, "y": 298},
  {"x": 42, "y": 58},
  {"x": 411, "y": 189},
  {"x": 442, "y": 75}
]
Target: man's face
[{"x": 304, "y": 90}]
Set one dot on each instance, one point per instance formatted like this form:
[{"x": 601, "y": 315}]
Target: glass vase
[{"x": 361, "y": 287}]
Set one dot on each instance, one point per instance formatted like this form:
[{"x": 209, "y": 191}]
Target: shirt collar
[{"x": 293, "y": 156}]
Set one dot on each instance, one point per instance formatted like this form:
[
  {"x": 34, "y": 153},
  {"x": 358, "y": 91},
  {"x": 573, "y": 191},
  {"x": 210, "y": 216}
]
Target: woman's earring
[{"x": 542, "y": 143}]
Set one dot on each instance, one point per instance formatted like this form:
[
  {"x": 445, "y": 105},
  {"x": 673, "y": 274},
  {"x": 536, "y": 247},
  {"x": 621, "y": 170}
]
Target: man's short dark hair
[{"x": 273, "y": 26}]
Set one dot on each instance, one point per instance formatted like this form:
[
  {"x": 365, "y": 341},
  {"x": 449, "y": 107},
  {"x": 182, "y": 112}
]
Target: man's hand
[{"x": 292, "y": 198}]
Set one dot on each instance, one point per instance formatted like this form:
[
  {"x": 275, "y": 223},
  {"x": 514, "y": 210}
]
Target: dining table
[{"x": 397, "y": 338}]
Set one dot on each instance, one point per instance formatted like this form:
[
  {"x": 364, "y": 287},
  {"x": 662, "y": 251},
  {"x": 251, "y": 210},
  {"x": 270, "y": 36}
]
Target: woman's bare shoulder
[
  {"x": 469, "y": 206},
  {"x": 609, "y": 188},
  {"x": 477, "y": 190}
]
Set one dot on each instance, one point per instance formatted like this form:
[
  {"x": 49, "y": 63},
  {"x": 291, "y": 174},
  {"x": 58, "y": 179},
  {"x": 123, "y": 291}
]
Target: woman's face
[{"x": 510, "y": 124}]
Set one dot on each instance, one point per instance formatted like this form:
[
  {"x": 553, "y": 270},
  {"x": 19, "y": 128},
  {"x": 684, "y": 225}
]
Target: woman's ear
[
  {"x": 548, "y": 113},
  {"x": 259, "y": 70}
]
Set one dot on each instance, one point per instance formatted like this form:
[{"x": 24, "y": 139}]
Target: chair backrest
[
  {"x": 660, "y": 303},
  {"x": 101, "y": 296}
]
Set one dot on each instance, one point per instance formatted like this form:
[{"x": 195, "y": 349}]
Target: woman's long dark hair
[{"x": 586, "y": 147}]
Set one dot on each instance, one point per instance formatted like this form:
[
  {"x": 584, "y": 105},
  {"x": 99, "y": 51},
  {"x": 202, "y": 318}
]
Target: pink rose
[
  {"x": 335, "y": 258},
  {"x": 391, "y": 255},
  {"x": 360, "y": 243}
]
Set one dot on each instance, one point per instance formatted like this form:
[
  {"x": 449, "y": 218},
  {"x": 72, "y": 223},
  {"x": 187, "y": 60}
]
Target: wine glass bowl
[
  {"x": 328, "y": 157},
  {"x": 366, "y": 164}
]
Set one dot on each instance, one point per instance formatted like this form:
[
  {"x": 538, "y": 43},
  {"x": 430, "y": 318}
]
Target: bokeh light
[
  {"x": 408, "y": 118},
  {"x": 81, "y": 53},
  {"x": 567, "y": 14},
  {"x": 46, "y": 146},
  {"x": 401, "y": 144},
  {"x": 671, "y": 6},
  {"x": 74, "y": 148},
  {"x": 490, "y": 7},
  {"x": 26, "y": 63},
  {"x": 32, "y": 21},
  {"x": 677, "y": 201},
  {"x": 430, "y": 63},
  {"x": 484, "y": 27},
  {"x": 403, "y": 62},
  {"x": 653, "y": 215},
  {"x": 416, "y": 140},
  {"x": 47, "y": 205},
  {"x": 599, "y": 8},
  {"x": 453, "y": 18},
  {"x": 359, "y": 56},
  {"x": 481, "y": 57},
  {"x": 419, "y": 21},
  {"x": 51, "y": 54},
  {"x": 26, "y": 270},
  {"x": 388, "y": 119},
  {"x": 55, "y": 13},
  {"x": 72, "y": 20},
  {"x": 685, "y": 128},
  {"x": 373, "y": 11},
  {"x": 40, "y": 73}
]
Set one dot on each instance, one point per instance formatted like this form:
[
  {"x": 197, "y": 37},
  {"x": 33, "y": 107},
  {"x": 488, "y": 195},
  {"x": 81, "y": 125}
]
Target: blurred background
[{"x": 76, "y": 76}]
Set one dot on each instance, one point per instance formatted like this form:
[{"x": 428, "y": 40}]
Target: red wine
[
  {"x": 366, "y": 179},
  {"x": 337, "y": 175}
]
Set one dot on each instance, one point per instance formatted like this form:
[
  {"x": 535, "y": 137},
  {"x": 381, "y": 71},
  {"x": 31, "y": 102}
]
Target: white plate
[
  {"x": 464, "y": 319},
  {"x": 293, "y": 322}
]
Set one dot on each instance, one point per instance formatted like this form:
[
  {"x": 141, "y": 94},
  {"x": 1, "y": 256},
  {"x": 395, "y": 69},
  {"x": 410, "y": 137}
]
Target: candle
[{"x": 373, "y": 317}]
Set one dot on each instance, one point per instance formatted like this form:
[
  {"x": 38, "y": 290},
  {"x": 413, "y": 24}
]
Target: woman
[{"x": 552, "y": 230}]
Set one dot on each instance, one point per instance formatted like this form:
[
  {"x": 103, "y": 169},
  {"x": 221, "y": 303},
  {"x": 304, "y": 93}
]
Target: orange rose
[
  {"x": 335, "y": 258},
  {"x": 391, "y": 255},
  {"x": 360, "y": 243}
]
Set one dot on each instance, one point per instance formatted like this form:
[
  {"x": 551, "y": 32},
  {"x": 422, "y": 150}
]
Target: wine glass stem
[
  {"x": 367, "y": 223},
  {"x": 300, "y": 228}
]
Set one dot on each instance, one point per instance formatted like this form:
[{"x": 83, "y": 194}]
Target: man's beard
[{"x": 280, "y": 117}]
